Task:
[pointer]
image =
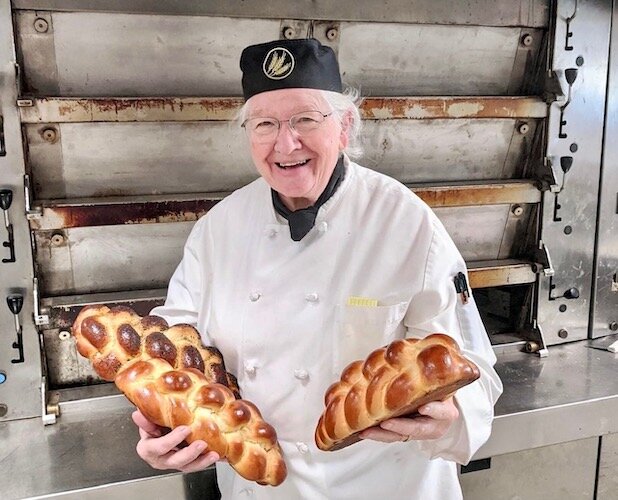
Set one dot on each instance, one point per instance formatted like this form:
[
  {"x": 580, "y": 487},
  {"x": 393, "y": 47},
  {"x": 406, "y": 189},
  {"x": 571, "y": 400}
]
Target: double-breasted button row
[
  {"x": 302, "y": 447},
  {"x": 250, "y": 367}
]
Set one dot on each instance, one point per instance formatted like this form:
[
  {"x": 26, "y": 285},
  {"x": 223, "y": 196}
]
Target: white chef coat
[{"x": 277, "y": 309}]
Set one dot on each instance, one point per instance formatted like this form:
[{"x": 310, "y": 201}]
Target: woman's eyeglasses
[{"x": 266, "y": 129}]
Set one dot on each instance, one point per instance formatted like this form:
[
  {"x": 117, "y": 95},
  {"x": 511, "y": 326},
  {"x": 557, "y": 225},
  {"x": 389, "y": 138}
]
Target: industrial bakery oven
[{"x": 118, "y": 133}]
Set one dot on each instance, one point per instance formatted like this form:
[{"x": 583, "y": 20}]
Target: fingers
[
  {"x": 153, "y": 447},
  {"x": 382, "y": 435},
  {"x": 440, "y": 410},
  {"x": 433, "y": 422},
  {"x": 161, "y": 451},
  {"x": 416, "y": 428},
  {"x": 146, "y": 425},
  {"x": 190, "y": 458}
]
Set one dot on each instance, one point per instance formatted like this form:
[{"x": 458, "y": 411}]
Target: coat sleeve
[
  {"x": 188, "y": 292},
  {"x": 439, "y": 308}
]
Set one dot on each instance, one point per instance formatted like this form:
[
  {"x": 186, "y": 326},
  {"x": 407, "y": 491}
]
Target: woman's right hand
[{"x": 162, "y": 451}]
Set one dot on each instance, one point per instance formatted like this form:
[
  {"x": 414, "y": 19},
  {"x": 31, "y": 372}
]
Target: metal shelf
[
  {"x": 180, "y": 109},
  {"x": 88, "y": 212}
]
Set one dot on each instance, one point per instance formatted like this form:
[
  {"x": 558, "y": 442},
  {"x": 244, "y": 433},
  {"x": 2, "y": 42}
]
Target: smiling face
[{"x": 297, "y": 167}]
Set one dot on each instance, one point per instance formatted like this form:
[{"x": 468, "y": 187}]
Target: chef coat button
[
  {"x": 254, "y": 296},
  {"x": 302, "y": 447},
  {"x": 247, "y": 491},
  {"x": 250, "y": 368},
  {"x": 323, "y": 226},
  {"x": 312, "y": 297},
  {"x": 301, "y": 374},
  {"x": 271, "y": 233}
]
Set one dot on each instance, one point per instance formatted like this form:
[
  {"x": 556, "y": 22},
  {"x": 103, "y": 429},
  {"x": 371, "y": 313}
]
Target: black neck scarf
[{"x": 301, "y": 221}]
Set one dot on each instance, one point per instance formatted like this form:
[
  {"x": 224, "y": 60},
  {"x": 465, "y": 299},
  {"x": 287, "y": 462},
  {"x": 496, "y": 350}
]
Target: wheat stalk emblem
[{"x": 281, "y": 63}]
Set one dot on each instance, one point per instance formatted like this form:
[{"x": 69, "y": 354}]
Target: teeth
[{"x": 295, "y": 164}]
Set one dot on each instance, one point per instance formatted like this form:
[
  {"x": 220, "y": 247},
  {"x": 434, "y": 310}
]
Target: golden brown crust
[
  {"x": 111, "y": 338},
  {"x": 174, "y": 380},
  {"x": 232, "y": 427},
  {"x": 393, "y": 381}
]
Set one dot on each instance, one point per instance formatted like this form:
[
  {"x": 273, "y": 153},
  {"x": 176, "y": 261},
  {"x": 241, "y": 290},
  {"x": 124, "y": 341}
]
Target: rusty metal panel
[
  {"x": 101, "y": 54},
  {"x": 34, "y": 34},
  {"x": 415, "y": 151},
  {"x": 423, "y": 108},
  {"x": 184, "y": 56},
  {"x": 127, "y": 109},
  {"x": 121, "y": 159},
  {"x": 486, "y": 274},
  {"x": 478, "y": 12},
  {"x": 95, "y": 212},
  {"x": 88, "y": 260},
  {"x": 430, "y": 60},
  {"x": 65, "y": 366},
  {"x": 66, "y": 110},
  {"x": 466, "y": 194},
  {"x": 477, "y": 231},
  {"x": 159, "y": 209},
  {"x": 62, "y": 311}
]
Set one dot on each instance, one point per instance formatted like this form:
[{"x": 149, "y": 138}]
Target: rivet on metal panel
[
  {"x": 523, "y": 128},
  {"x": 64, "y": 335},
  {"x": 288, "y": 33},
  {"x": 568, "y": 230},
  {"x": 562, "y": 308},
  {"x": 527, "y": 40},
  {"x": 4, "y": 409},
  {"x": 573, "y": 147},
  {"x": 49, "y": 135},
  {"x": 613, "y": 326},
  {"x": 41, "y": 25},
  {"x": 57, "y": 239},
  {"x": 563, "y": 334},
  {"x": 517, "y": 210},
  {"x": 332, "y": 34},
  {"x": 579, "y": 61}
]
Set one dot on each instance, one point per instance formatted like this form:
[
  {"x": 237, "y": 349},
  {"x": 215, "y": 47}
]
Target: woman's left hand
[{"x": 433, "y": 421}]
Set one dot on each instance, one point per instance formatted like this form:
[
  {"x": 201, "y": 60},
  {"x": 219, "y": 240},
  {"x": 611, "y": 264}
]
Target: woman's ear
[{"x": 346, "y": 126}]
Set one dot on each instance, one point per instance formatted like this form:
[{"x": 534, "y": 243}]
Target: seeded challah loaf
[{"x": 174, "y": 380}]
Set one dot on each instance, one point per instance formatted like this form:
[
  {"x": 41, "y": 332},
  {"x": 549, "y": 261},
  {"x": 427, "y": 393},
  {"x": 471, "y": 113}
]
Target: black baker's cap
[{"x": 286, "y": 64}]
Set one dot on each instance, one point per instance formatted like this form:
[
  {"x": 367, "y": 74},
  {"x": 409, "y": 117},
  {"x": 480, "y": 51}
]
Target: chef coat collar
[{"x": 301, "y": 221}]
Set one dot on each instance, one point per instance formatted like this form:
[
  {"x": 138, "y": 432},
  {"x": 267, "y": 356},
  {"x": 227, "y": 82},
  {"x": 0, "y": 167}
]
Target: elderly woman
[{"x": 273, "y": 276}]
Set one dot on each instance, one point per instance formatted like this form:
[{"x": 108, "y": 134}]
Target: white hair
[{"x": 341, "y": 104}]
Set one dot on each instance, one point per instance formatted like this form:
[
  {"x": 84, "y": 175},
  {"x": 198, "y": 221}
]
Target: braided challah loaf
[
  {"x": 174, "y": 380},
  {"x": 233, "y": 428},
  {"x": 393, "y": 381},
  {"x": 112, "y": 338}
]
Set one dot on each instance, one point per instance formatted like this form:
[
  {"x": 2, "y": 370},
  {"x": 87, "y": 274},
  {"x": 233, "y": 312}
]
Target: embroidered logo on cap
[{"x": 278, "y": 63}]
